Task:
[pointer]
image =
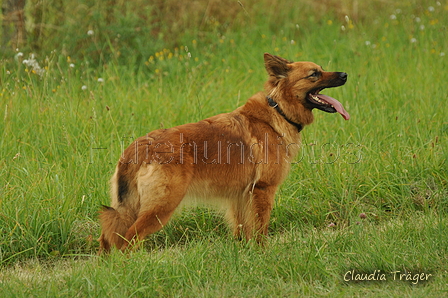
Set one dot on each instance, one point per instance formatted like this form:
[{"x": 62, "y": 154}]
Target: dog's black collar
[{"x": 273, "y": 104}]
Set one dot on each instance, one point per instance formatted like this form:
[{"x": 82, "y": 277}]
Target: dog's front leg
[{"x": 257, "y": 211}]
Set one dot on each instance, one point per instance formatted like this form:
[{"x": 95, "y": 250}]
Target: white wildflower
[
  {"x": 100, "y": 80},
  {"x": 33, "y": 65},
  {"x": 84, "y": 87},
  {"x": 18, "y": 55},
  {"x": 90, "y": 32}
]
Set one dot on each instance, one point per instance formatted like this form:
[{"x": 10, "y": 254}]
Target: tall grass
[{"x": 63, "y": 129}]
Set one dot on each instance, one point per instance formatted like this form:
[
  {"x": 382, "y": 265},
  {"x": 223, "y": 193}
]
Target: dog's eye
[{"x": 314, "y": 74}]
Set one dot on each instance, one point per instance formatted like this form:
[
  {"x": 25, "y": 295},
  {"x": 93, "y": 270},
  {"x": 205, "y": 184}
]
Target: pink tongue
[{"x": 336, "y": 104}]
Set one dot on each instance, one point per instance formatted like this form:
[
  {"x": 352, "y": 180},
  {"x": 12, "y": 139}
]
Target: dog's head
[{"x": 298, "y": 85}]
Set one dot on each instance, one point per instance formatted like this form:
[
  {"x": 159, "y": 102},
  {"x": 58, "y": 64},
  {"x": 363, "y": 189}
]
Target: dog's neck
[{"x": 273, "y": 104}]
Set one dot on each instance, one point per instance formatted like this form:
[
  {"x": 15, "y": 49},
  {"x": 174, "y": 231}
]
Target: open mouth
[{"x": 326, "y": 103}]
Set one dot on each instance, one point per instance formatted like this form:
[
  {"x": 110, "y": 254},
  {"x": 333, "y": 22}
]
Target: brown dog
[{"x": 235, "y": 160}]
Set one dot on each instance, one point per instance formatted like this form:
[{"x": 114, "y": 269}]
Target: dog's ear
[{"x": 276, "y": 66}]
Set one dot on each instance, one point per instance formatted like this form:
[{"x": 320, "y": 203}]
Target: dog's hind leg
[{"x": 161, "y": 189}]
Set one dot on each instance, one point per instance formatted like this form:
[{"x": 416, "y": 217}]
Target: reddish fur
[{"x": 158, "y": 170}]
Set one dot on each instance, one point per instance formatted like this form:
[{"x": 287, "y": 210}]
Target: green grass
[
  {"x": 298, "y": 262},
  {"x": 59, "y": 144}
]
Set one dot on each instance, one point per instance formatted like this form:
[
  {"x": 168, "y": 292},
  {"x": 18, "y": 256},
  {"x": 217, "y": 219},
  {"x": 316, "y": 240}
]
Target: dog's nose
[{"x": 343, "y": 76}]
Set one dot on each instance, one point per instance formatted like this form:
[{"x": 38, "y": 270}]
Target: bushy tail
[{"x": 114, "y": 226}]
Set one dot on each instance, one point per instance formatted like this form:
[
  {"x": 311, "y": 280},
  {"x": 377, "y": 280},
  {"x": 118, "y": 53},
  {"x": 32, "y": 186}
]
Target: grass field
[{"x": 65, "y": 120}]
